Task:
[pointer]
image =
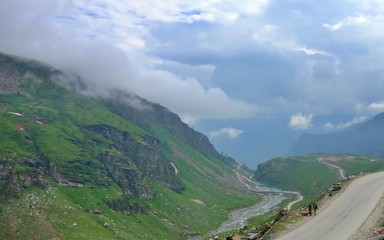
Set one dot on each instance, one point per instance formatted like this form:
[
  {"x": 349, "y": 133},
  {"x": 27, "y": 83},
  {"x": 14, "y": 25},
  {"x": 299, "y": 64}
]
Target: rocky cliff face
[
  {"x": 147, "y": 115},
  {"x": 15, "y": 177},
  {"x": 145, "y": 156}
]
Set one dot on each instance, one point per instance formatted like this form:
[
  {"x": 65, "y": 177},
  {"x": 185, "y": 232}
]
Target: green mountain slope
[
  {"x": 310, "y": 174},
  {"x": 76, "y": 167}
]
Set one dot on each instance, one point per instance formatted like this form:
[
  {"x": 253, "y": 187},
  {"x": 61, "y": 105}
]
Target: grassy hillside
[
  {"x": 355, "y": 165},
  {"x": 309, "y": 175},
  {"x": 76, "y": 167}
]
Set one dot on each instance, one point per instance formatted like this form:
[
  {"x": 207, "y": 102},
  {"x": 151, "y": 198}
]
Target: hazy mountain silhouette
[{"x": 366, "y": 138}]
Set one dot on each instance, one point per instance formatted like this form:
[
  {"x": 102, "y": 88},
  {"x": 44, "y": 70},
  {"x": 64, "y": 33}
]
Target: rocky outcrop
[
  {"x": 13, "y": 70},
  {"x": 5, "y": 175},
  {"x": 147, "y": 115},
  {"x": 9, "y": 79},
  {"x": 14, "y": 178},
  {"x": 125, "y": 206},
  {"x": 123, "y": 172},
  {"x": 145, "y": 154}
]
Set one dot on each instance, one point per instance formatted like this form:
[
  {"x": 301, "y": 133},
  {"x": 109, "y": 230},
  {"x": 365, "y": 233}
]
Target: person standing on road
[
  {"x": 314, "y": 208},
  {"x": 310, "y": 209}
]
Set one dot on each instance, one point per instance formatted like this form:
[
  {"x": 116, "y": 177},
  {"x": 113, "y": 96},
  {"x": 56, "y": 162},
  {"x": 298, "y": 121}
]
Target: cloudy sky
[{"x": 251, "y": 75}]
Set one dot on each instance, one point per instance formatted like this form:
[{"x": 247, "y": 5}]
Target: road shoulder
[
  {"x": 374, "y": 223},
  {"x": 295, "y": 219},
  {"x": 370, "y": 227}
]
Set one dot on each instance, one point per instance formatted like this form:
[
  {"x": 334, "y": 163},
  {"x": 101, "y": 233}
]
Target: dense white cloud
[
  {"x": 266, "y": 59},
  {"x": 376, "y": 107},
  {"x": 86, "y": 37},
  {"x": 300, "y": 121},
  {"x": 184, "y": 36},
  {"x": 229, "y": 132}
]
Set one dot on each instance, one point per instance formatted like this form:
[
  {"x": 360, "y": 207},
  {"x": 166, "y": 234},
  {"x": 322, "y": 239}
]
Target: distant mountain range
[{"x": 366, "y": 138}]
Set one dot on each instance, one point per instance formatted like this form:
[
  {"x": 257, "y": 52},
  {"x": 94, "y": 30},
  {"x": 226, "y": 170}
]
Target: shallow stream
[
  {"x": 239, "y": 218},
  {"x": 271, "y": 197}
]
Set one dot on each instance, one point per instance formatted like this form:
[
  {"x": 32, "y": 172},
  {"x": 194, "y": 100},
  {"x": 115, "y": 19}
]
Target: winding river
[
  {"x": 239, "y": 218},
  {"x": 271, "y": 197}
]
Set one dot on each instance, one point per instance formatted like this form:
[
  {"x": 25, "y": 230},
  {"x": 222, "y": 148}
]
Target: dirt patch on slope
[{"x": 199, "y": 202}]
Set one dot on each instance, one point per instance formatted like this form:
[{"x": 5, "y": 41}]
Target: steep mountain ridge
[
  {"x": 104, "y": 156},
  {"x": 155, "y": 114}
]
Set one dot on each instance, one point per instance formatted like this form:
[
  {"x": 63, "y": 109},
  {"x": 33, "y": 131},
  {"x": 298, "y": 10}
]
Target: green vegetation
[
  {"x": 66, "y": 213},
  {"x": 76, "y": 167},
  {"x": 73, "y": 167},
  {"x": 354, "y": 165},
  {"x": 309, "y": 175},
  {"x": 303, "y": 173}
]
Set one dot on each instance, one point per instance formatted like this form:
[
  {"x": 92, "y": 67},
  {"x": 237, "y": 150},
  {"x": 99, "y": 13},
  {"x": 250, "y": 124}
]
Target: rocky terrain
[{"x": 374, "y": 226}]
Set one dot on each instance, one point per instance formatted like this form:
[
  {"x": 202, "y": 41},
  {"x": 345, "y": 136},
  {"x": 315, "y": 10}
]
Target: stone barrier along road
[{"x": 344, "y": 216}]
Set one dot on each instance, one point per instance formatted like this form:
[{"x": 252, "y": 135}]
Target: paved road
[
  {"x": 344, "y": 216},
  {"x": 341, "y": 171}
]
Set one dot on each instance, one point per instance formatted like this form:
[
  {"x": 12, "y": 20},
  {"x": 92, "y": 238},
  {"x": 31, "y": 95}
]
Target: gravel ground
[{"x": 373, "y": 224}]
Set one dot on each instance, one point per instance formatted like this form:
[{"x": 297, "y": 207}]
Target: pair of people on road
[{"x": 312, "y": 207}]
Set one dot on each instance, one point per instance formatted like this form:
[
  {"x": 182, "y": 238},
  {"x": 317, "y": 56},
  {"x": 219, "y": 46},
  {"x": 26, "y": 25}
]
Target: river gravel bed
[{"x": 239, "y": 218}]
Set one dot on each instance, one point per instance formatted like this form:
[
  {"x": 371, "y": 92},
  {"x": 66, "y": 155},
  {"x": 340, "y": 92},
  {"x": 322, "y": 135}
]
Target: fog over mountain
[{"x": 252, "y": 75}]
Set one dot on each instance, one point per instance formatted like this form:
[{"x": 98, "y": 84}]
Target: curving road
[
  {"x": 344, "y": 216},
  {"x": 341, "y": 171}
]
